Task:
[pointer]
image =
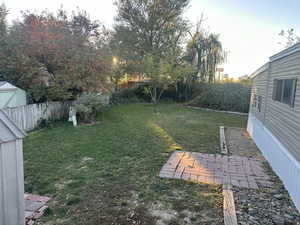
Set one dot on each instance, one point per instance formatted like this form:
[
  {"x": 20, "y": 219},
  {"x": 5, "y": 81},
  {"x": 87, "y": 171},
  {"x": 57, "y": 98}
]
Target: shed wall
[
  {"x": 12, "y": 98},
  {"x": 19, "y": 100},
  {"x": 11, "y": 183}
]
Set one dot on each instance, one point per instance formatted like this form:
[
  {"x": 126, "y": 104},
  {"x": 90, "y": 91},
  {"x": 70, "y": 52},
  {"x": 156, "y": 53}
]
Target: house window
[{"x": 284, "y": 91}]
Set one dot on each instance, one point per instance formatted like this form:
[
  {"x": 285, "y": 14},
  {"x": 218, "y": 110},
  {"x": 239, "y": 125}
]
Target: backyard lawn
[{"x": 107, "y": 173}]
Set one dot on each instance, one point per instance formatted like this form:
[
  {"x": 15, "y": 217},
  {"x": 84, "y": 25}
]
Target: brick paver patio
[
  {"x": 216, "y": 169},
  {"x": 35, "y": 206}
]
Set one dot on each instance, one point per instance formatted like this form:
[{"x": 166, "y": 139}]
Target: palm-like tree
[
  {"x": 207, "y": 53},
  {"x": 215, "y": 55}
]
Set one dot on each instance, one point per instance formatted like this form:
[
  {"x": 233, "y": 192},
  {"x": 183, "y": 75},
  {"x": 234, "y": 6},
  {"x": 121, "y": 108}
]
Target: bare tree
[{"x": 290, "y": 38}]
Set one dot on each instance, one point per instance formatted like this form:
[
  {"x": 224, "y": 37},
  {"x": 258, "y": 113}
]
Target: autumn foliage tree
[
  {"x": 54, "y": 56},
  {"x": 58, "y": 56}
]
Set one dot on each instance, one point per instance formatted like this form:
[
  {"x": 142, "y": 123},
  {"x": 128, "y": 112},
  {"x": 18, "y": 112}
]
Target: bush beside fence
[{"x": 28, "y": 117}]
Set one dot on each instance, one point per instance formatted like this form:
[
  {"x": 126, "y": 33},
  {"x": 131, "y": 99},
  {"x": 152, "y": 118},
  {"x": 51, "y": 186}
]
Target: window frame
[{"x": 275, "y": 98}]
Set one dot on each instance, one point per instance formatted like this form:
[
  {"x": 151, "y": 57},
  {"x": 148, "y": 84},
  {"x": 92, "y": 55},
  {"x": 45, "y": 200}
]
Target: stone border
[
  {"x": 221, "y": 111},
  {"x": 229, "y": 212},
  {"x": 229, "y": 206},
  {"x": 223, "y": 145}
]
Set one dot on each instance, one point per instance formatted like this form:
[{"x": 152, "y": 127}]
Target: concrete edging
[
  {"x": 223, "y": 145},
  {"x": 229, "y": 212},
  {"x": 229, "y": 206},
  {"x": 221, "y": 111}
]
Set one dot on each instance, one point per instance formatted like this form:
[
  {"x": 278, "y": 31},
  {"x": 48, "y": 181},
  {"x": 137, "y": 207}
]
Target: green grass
[{"x": 107, "y": 173}]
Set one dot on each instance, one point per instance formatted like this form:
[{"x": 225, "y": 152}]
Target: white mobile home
[
  {"x": 11, "y": 96},
  {"x": 274, "y": 117}
]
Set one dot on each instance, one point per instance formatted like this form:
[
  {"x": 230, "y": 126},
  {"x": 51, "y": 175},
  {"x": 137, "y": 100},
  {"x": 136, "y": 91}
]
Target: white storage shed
[
  {"x": 11, "y": 96},
  {"x": 11, "y": 173}
]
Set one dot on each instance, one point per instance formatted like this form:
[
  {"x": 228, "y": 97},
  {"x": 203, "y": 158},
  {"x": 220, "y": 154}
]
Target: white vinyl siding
[
  {"x": 277, "y": 132},
  {"x": 258, "y": 96},
  {"x": 282, "y": 118}
]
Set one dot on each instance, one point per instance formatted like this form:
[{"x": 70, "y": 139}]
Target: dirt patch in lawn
[
  {"x": 62, "y": 184},
  {"x": 112, "y": 203},
  {"x": 264, "y": 206},
  {"x": 121, "y": 204}
]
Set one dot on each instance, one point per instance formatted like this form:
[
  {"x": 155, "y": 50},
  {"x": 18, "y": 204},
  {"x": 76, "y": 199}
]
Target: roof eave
[
  {"x": 260, "y": 70},
  {"x": 294, "y": 48}
]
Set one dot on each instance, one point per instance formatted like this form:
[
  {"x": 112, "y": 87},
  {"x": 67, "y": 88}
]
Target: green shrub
[
  {"x": 171, "y": 94},
  {"x": 87, "y": 107},
  {"x": 43, "y": 123},
  {"x": 129, "y": 95},
  {"x": 141, "y": 93},
  {"x": 138, "y": 94},
  {"x": 228, "y": 97}
]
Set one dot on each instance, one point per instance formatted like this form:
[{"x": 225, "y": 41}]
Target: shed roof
[
  {"x": 4, "y": 85},
  {"x": 8, "y": 129}
]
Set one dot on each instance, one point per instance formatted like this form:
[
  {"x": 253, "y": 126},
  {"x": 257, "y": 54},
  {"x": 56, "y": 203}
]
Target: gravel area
[
  {"x": 265, "y": 206},
  {"x": 240, "y": 143}
]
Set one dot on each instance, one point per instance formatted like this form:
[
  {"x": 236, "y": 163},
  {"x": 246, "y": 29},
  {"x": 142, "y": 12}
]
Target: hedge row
[{"x": 228, "y": 96}]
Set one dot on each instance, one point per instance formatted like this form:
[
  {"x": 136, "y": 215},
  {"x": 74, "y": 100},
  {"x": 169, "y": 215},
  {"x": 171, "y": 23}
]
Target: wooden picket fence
[{"x": 27, "y": 117}]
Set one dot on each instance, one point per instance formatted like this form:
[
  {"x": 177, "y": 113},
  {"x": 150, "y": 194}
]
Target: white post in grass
[{"x": 72, "y": 116}]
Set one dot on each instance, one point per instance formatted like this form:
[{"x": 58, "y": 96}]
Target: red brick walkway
[
  {"x": 35, "y": 206},
  {"x": 216, "y": 169}
]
